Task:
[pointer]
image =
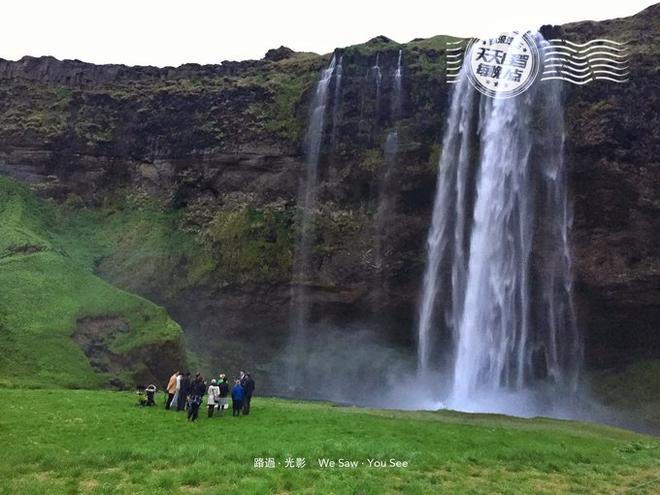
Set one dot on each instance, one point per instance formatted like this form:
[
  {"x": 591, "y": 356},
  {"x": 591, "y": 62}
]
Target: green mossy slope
[{"x": 47, "y": 290}]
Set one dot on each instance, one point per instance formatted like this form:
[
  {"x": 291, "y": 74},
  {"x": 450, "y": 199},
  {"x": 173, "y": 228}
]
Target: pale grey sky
[{"x": 168, "y": 32}]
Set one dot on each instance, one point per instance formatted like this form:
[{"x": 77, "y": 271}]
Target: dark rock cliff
[
  {"x": 219, "y": 149},
  {"x": 613, "y": 139}
]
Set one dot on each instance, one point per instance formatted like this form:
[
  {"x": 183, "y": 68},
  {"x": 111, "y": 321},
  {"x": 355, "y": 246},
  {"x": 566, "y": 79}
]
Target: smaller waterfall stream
[
  {"x": 397, "y": 89},
  {"x": 390, "y": 155},
  {"x": 308, "y": 194},
  {"x": 336, "y": 101},
  {"x": 378, "y": 78}
]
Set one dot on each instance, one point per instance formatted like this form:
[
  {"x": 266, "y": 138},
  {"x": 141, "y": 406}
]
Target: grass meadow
[{"x": 81, "y": 441}]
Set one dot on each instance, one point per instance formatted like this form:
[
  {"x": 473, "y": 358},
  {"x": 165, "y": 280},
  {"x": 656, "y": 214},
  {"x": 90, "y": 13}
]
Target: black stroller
[{"x": 146, "y": 396}]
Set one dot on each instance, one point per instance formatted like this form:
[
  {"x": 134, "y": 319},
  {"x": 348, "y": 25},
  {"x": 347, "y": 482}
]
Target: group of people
[{"x": 187, "y": 393}]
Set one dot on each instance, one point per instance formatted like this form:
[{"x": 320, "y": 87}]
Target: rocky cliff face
[
  {"x": 217, "y": 151},
  {"x": 613, "y": 141}
]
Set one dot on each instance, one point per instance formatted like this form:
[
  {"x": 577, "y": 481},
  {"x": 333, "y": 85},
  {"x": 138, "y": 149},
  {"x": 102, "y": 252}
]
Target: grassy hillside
[
  {"x": 49, "y": 292},
  {"x": 99, "y": 442}
]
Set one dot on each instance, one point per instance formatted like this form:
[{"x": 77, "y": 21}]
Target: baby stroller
[
  {"x": 146, "y": 396},
  {"x": 151, "y": 394}
]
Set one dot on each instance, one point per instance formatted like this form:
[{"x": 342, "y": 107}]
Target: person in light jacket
[
  {"x": 176, "y": 400},
  {"x": 171, "y": 389},
  {"x": 213, "y": 397}
]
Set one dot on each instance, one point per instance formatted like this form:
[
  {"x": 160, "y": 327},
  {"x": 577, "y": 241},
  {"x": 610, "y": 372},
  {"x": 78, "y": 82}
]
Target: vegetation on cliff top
[{"x": 262, "y": 102}]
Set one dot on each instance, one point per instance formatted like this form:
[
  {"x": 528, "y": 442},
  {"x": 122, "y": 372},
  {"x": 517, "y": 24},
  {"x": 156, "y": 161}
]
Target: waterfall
[
  {"x": 378, "y": 77},
  {"x": 396, "y": 89},
  {"x": 308, "y": 194},
  {"x": 336, "y": 101},
  {"x": 447, "y": 233},
  {"x": 391, "y": 150},
  {"x": 498, "y": 274},
  {"x": 562, "y": 342},
  {"x": 385, "y": 202}
]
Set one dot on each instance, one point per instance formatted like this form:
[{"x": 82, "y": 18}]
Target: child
[{"x": 237, "y": 395}]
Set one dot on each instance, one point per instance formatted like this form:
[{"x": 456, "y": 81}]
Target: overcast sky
[{"x": 167, "y": 32}]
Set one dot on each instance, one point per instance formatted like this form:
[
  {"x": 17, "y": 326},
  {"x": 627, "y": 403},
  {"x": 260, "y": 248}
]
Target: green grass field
[{"x": 66, "y": 441}]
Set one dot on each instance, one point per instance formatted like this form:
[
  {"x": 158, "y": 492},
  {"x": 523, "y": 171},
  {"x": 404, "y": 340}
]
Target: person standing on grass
[
  {"x": 196, "y": 395},
  {"x": 213, "y": 397},
  {"x": 224, "y": 393},
  {"x": 171, "y": 389},
  {"x": 176, "y": 400},
  {"x": 248, "y": 386},
  {"x": 237, "y": 395},
  {"x": 184, "y": 391}
]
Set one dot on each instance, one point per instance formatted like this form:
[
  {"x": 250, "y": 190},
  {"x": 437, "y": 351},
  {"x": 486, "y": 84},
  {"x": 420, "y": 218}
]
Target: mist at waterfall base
[{"x": 496, "y": 329}]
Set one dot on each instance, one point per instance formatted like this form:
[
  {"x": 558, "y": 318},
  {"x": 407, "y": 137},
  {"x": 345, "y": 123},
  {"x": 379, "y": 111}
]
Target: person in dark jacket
[
  {"x": 197, "y": 391},
  {"x": 248, "y": 386},
  {"x": 224, "y": 393},
  {"x": 237, "y": 396},
  {"x": 184, "y": 392}
]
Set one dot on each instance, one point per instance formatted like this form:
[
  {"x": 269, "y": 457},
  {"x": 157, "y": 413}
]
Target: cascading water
[
  {"x": 336, "y": 102},
  {"x": 397, "y": 88},
  {"x": 385, "y": 200},
  {"x": 498, "y": 274},
  {"x": 446, "y": 238},
  {"x": 561, "y": 348},
  {"x": 308, "y": 194},
  {"x": 391, "y": 150},
  {"x": 378, "y": 78}
]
